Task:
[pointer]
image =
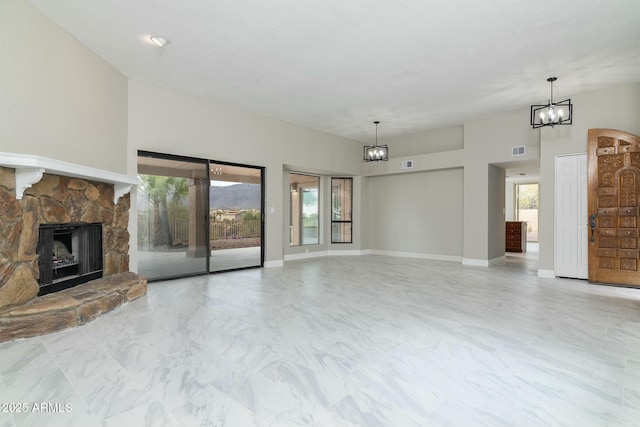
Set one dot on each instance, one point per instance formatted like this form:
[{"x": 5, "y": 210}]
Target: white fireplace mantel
[{"x": 30, "y": 168}]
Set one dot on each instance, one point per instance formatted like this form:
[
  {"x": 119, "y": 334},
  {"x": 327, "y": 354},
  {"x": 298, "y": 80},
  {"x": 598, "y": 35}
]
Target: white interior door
[{"x": 571, "y": 250}]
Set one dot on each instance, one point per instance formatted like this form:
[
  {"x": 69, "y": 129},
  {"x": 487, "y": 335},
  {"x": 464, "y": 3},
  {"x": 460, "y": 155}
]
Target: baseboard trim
[
  {"x": 318, "y": 254},
  {"x": 275, "y": 263},
  {"x": 305, "y": 255},
  {"x": 350, "y": 252},
  {"x": 355, "y": 252},
  {"x": 547, "y": 274},
  {"x": 418, "y": 255},
  {"x": 475, "y": 262}
]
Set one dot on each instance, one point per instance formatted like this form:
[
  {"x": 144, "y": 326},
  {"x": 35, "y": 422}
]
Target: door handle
[{"x": 592, "y": 225}]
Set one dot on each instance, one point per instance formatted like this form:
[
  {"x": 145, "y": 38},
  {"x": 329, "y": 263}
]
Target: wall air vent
[
  {"x": 517, "y": 151},
  {"x": 407, "y": 164}
]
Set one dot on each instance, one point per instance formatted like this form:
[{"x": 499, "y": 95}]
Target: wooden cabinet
[{"x": 516, "y": 236}]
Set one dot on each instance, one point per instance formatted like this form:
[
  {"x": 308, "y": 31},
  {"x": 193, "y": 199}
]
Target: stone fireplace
[{"x": 42, "y": 218}]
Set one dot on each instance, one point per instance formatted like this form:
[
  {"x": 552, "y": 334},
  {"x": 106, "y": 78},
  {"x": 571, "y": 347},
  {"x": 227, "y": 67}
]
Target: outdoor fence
[
  {"x": 234, "y": 229},
  {"x": 217, "y": 229},
  {"x": 179, "y": 230}
]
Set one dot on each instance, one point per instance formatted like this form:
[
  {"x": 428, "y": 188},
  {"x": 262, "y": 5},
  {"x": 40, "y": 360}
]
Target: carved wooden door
[{"x": 614, "y": 184}]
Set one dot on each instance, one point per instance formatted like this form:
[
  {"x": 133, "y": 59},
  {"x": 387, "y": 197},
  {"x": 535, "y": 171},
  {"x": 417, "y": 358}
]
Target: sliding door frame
[
  {"x": 207, "y": 164},
  {"x": 262, "y": 170}
]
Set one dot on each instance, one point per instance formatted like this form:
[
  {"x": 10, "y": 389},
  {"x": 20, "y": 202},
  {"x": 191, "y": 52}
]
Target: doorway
[
  {"x": 236, "y": 211},
  {"x": 197, "y": 216}
]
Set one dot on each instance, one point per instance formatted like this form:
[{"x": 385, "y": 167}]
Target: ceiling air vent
[
  {"x": 407, "y": 164},
  {"x": 517, "y": 151}
]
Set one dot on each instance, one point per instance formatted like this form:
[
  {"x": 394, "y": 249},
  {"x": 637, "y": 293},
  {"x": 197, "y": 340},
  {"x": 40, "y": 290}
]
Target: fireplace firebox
[{"x": 68, "y": 255}]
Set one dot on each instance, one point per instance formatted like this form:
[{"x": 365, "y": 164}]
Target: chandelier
[
  {"x": 376, "y": 153},
  {"x": 553, "y": 113}
]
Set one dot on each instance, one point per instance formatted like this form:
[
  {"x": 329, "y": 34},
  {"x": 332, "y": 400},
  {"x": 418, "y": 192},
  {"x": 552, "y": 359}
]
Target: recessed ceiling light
[{"x": 158, "y": 41}]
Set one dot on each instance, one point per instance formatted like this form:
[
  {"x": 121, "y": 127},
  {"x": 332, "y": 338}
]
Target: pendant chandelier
[
  {"x": 376, "y": 153},
  {"x": 553, "y": 113}
]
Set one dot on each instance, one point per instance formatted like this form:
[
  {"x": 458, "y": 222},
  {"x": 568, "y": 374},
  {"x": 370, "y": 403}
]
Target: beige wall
[
  {"x": 489, "y": 141},
  {"x": 168, "y": 122},
  {"x": 613, "y": 108},
  {"x": 419, "y": 213},
  {"x": 478, "y": 152},
  {"x": 487, "y": 144},
  {"x": 496, "y": 199},
  {"x": 433, "y": 141},
  {"x": 510, "y": 200},
  {"x": 424, "y": 202},
  {"x": 57, "y": 98}
]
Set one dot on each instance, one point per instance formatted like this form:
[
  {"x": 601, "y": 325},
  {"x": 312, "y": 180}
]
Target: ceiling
[
  {"x": 522, "y": 171},
  {"x": 338, "y": 65}
]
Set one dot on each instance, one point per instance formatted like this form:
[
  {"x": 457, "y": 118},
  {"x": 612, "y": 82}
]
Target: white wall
[
  {"x": 57, "y": 98},
  {"x": 418, "y": 213},
  {"x": 613, "y": 108},
  {"x": 168, "y": 122}
]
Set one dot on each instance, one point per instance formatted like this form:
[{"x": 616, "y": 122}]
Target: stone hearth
[
  {"x": 71, "y": 307},
  {"x": 56, "y": 199}
]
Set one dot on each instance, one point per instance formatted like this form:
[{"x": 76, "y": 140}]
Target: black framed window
[{"x": 341, "y": 205}]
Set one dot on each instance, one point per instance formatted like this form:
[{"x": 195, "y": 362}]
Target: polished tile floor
[{"x": 341, "y": 341}]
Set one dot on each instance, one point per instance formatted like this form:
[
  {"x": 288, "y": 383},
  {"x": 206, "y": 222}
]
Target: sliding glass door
[
  {"x": 172, "y": 205},
  {"x": 235, "y": 206},
  {"x": 197, "y": 216}
]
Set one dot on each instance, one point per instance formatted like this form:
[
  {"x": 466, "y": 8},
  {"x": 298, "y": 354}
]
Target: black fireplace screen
[{"x": 69, "y": 254}]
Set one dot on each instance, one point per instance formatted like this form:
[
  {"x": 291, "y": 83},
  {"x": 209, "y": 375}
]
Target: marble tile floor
[
  {"x": 533, "y": 251},
  {"x": 341, "y": 341}
]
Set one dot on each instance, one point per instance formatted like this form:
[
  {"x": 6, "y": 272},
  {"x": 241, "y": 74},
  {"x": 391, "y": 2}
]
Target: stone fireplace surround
[{"x": 55, "y": 192}]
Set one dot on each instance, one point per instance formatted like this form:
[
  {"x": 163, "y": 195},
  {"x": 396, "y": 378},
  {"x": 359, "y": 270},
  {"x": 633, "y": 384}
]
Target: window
[
  {"x": 304, "y": 226},
  {"x": 527, "y": 208},
  {"x": 341, "y": 201}
]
